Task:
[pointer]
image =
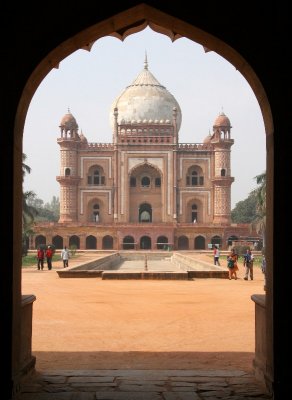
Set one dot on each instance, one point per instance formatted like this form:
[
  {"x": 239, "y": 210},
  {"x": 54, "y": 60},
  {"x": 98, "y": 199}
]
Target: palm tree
[
  {"x": 28, "y": 212},
  {"x": 260, "y": 193},
  {"x": 25, "y": 168}
]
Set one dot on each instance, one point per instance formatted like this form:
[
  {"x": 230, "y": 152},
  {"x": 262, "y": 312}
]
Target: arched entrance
[
  {"x": 125, "y": 25},
  {"x": 145, "y": 243},
  {"x": 161, "y": 242},
  {"x": 107, "y": 242},
  {"x": 200, "y": 243},
  {"x": 145, "y": 213},
  {"x": 183, "y": 243},
  {"x": 74, "y": 241},
  {"x": 58, "y": 242},
  {"x": 91, "y": 242},
  {"x": 40, "y": 240},
  {"x": 128, "y": 243}
]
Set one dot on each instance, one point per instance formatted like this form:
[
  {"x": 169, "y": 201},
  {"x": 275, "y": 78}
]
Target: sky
[{"x": 87, "y": 83}]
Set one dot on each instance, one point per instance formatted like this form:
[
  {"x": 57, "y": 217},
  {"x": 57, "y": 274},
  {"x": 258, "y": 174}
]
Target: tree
[
  {"x": 28, "y": 212},
  {"x": 245, "y": 211},
  {"x": 46, "y": 212}
]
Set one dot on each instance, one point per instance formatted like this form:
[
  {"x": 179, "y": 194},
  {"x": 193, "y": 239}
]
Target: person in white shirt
[
  {"x": 216, "y": 255},
  {"x": 65, "y": 255}
]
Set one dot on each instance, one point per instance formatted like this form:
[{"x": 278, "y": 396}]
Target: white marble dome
[{"x": 145, "y": 99}]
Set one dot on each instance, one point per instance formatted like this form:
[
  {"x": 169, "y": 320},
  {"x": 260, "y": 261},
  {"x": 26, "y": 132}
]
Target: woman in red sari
[{"x": 232, "y": 264}]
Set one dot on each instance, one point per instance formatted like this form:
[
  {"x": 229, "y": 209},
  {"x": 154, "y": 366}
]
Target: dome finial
[
  {"x": 222, "y": 112},
  {"x": 146, "y": 61},
  {"x": 69, "y": 110}
]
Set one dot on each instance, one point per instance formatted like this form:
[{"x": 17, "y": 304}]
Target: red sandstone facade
[{"x": 145, "y": 190}]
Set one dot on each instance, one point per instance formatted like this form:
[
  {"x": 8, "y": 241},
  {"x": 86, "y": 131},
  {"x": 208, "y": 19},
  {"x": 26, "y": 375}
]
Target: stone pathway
[{"x": 142, "y": 385}]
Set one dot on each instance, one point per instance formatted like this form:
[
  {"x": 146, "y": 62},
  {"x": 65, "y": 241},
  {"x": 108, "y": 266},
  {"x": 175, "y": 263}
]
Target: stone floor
[{"x": 142, "y": 385}]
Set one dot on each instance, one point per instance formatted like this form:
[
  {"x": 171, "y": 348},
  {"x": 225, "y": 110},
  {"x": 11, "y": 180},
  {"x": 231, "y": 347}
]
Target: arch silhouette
[{"x": 121, "y": 25}]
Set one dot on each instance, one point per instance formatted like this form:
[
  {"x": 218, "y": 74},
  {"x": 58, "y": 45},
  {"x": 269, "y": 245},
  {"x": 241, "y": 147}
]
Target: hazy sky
[{"x": 204, "y": 84}]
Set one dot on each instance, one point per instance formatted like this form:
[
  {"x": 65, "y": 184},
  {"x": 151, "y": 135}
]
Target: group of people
[
  {"x": 48, "y": 255},
  {"x": 42, "y": 254},
  {"x": 232, "y": 263}
]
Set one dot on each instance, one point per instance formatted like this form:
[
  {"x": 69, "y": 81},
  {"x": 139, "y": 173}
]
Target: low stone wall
[
  {"x": 145, "y": 275},
  {"x": 260, "y": 360},
  {"x": 27, "y": 360}
]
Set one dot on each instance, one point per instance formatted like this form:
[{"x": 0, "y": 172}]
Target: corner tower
[
  {"x": 222, "y": 180},
  {"x": 68, "y": 178}
]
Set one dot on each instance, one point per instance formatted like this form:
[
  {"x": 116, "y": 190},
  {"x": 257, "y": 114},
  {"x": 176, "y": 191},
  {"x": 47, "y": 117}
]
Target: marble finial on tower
[{"x": 146, "y": 61}]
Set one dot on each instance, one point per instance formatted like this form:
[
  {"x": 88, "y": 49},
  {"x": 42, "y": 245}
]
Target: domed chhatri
[
  {"x": 145, "y": 100},
  {"x": 68, "y": 121},
  {"x": 222, "y": 121}
]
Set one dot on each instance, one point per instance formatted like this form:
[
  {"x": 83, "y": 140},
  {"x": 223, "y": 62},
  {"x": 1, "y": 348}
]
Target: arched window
[
  {"x": 96, "y": 212},
  {"x": 195, "y": 176},
  {"x": 145, "y": 213},
  {"x": 194, "y": 216},
  {"x": 223, "y": 172},
  {"x": 96, "y": 177},
  {"x": 67, "y": 172},
  {"x": 145, "y": 181},
  {"x": 157, "y": 182}
]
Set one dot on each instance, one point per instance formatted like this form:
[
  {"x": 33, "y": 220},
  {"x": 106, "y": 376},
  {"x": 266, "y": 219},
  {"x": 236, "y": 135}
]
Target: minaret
[
  {"x": 68, "y": 178},
  {"x": 222, "y": 178}
]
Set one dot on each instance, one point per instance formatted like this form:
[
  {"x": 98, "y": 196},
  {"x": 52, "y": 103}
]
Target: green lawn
[{"x": 31, "y": 259}]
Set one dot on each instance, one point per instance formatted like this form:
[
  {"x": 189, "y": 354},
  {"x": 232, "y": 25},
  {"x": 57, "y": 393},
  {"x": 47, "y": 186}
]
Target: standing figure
[
  {"x": 216, "y": 255},
  {"x": 49, "y": 256},
  {"x": 248, "y": 264},
  {"x": 232, "y": 264},
  {"x": 65, "y": 255},
  {"x": 40, "y": 257}
]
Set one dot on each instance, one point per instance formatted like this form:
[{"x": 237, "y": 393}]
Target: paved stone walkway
[{"x": 142, "y": 385}]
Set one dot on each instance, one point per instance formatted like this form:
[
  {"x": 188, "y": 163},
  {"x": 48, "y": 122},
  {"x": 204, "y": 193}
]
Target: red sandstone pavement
[{"x": 89, "y": 323}]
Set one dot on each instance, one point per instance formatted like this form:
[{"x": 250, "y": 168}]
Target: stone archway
[{"x": 122, "y": 25}]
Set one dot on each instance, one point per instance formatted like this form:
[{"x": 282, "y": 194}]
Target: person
[
  {"x": 65, "y": 255},
  {"x": 232, "y": 264},
  {"x": 40, "y": 258},
  {"x": 264, "y": 266},
  {"x": 216, "y": 255},
  {"x": 49, "y": 256},
  {"x": 248, "y": 264}
]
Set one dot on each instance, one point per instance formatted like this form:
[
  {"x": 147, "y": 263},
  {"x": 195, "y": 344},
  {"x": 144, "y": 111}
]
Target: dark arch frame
[{"x": 126, "y": 23}]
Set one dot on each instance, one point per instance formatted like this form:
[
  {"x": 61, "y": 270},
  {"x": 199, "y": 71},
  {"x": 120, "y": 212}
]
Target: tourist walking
[
  {"x": 49, "y": 256},
  {"x": 40, "y": 258},
  {"x": 65, "y": 255},
  {"x": 216, "y": 255},
  {"x": 248, "y": 264},
  {"x": 232, "y": 264}
]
